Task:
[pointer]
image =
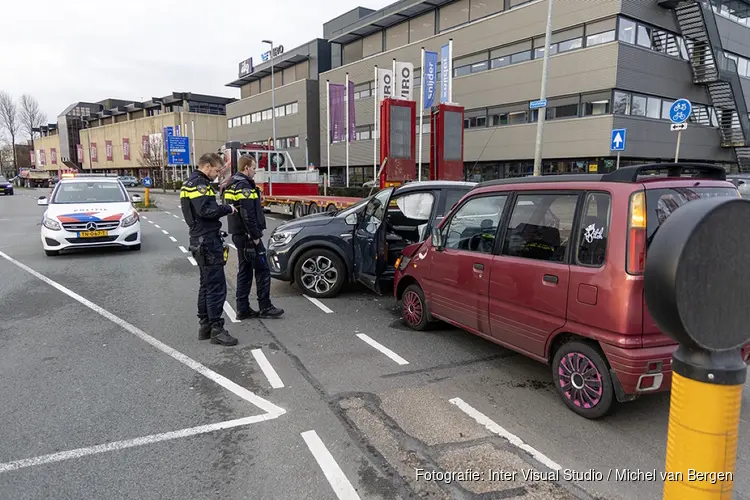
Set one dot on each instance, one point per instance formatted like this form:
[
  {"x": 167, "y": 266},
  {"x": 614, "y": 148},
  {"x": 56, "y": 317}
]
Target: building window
[
  {"x": 499, "y": 62},
  {"x": 236, "y": 122},
  {"x": 363, "y": 133},
  {"x": 568, "y": 45},
  {"x": 639, "y": 106},
  {"x": 599, "y": 38},
  {"x": 266, "y": 114},
  {"x": 520, "y": 57},
  {"x": 596, "y": 104},
  {"x": 475, "y": 119},
  {"x": 363, "y": 90},
  {"x": 255, "y": 117},
  {"x": 621, "y": 103},
  {"x": 229, "y": 123},
  {"x": 627, "y": 31}
]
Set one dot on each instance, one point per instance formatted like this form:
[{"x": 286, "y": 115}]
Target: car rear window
[{"x": 661, "y": 203}]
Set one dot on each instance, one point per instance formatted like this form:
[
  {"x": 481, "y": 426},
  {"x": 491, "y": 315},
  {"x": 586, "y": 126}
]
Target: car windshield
[{"x": 89, "y": 192}]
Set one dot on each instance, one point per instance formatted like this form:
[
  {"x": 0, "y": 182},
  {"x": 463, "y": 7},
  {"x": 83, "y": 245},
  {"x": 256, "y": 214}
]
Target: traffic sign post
[
  {"x": 178, "y": 150},
  {"x": 617, "y": 142},
  {"x": 147, "y": 183},
  {"x": 679, "y": 112},
  {"x": 685, "y": 269}
]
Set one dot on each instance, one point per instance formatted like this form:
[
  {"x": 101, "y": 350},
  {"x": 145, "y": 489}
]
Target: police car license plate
[{"x": 92, "y": 234}]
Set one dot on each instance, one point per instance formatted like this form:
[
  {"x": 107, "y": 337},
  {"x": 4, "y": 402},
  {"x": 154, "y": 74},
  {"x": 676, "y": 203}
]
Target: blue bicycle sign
[{"x": 680, "y": 111}]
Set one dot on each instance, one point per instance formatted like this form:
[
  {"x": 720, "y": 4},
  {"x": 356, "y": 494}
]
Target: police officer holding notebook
[{"x": 203, "y": 216}]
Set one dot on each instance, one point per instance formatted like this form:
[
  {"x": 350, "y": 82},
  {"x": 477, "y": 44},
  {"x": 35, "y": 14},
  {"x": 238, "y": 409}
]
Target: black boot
[
  {"x": 220, "y": 336},
  {"x": 204, "y": 330},
  {"x": 271, "y": 312},
  {"x": 246, "y": 313}
]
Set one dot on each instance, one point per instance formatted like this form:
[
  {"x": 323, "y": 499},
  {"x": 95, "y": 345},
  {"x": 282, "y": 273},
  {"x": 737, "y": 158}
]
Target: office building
[
  {"x": 296, "y": 71},
  {"x": 614, "y": 64}
]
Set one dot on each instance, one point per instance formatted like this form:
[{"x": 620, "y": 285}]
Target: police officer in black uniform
[
  {"x": 203, "y": 216},
  {"x": 246, "y": 227}
]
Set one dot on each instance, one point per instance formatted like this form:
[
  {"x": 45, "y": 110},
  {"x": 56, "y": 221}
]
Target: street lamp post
[{"x": 273, "y": 118}]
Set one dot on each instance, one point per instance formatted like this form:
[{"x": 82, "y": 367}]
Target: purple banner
[
  {"x": 337, "y": 112},
  {"x": 352, "y": 122}
]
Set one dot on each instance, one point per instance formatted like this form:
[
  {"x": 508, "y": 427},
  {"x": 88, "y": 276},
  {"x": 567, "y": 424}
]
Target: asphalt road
[{"x": 107, "y": 392}]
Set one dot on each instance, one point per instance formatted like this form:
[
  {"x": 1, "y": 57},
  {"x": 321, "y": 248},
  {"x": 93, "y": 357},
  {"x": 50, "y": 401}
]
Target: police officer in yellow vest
[
  {"x": 203, "y": 216},
  {"x": 246, "y": 227}
]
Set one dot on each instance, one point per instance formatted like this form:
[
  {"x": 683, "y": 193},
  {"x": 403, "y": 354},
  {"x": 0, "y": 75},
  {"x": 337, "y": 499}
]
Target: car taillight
[{"x": 636, "y": 256}]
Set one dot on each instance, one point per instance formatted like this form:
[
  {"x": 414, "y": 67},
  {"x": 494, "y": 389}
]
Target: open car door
[{"x": 369, "y": 241}]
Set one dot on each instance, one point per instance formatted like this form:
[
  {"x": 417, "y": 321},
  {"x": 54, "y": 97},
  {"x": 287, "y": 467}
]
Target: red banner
[
  {"x": 93, "y": 153},
  {"x": 144, "y": 145},
  {"x": 125, "y": 148},
  {"x": 108, "y": 149},
  {"x": 33, "y": 158},
  {"x": 53, "y": 156},
  {"x": 42, "y": 158},
  {"x": 80, "y": 153}
]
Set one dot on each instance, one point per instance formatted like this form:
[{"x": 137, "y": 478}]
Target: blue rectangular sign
[
  {"x": 617, "y": 141},
  {"x": 428, "y": 81},
  {"x": 541, "y": 103},
  {"x": 445, "y": 76},
  {"x": 178, "y": 149}
]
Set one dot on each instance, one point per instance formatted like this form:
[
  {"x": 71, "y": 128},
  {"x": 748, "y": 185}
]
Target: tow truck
[{"x": 294, "y": 191}]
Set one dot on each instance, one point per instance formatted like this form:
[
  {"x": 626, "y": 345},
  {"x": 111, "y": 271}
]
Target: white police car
[{"x": 87, "y": 211}]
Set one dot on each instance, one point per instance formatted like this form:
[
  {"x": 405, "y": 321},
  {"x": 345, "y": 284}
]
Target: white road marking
[
  {"x": 150, "y": 222},
  {"x": 492, "y": 426},
  {"x": 232, "y": 245},
  {"x": 129, "y": 443},
  {"x": 192, "y": 261},
  {"x": 174, "y": 240},
  {"x": 336, "y": 477},
  {"x": 163, "y": 231},
  {"x": 268, "y": 371},
  {"x": 380, "y": 347},
  {"x": 320, "y": 305},
  {"x": 157, "y": 226},
  {"x": 170, "y": 213},
  {"x": 271, "y": 409},
  {"x": 182, "y": 249},
  {"x": 230, "y": 313},
  {"x": 144, "y": 217},
  {"x": 175, "y": 216}
]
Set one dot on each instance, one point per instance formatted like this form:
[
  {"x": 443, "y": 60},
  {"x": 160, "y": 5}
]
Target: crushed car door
[{"x": 369, "y": 241}]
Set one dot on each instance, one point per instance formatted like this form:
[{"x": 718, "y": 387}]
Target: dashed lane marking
[
  {"x": 320, "y": 305},
  {"x": 157, "y": 226},
  {"x": 131, "y": 443},
  {"x": 492, "y": 426},
  {"x": 164, "y": 231},
  {"x": 174, "y": 240},
  {"x": 232, "y": 245},
  {"x": 144, "y": 217},
  {"x": 192, "y": 261},
  {"x": 182, "y": 249},
  {"x": 230, "y": 313},
  {"x": 150, "y": 221},
  {"x": 380, "y": 347},
  {"x": 170, "y": 213},
  {"x": 268, "y": 371},
  {"x": 336, "y": 477},
  {"x": 175, "y": 216}
]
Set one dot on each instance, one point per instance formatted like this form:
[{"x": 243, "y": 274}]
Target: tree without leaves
[
  {"x": 31, "y": 116},
  {"x": 155, "y": 157},
  {"x": 9, "y": 121}
]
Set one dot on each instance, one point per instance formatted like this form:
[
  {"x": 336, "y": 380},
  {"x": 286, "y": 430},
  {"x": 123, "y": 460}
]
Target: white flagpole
[
  {"x": 346, "y": 125},
  {"x": 450, "y": 70},
  {"x": 328, "y": 127},
  {"x": 375, "y": 127},
  {"x": 192, "y": 128},
  {"x": 420, "y": 107}
]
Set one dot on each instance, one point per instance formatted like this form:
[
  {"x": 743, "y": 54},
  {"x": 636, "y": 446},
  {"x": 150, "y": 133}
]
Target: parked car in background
[
  {"x": 742, "y": 181},
  {"x": 129, "y": 180},
  {"x": 552, "y": 267},
  {"x": 6, "y": 186},
  {"x": 322, "y": 252}
]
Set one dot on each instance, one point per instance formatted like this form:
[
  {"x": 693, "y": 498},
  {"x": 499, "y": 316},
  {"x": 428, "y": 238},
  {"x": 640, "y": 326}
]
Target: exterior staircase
[{"x": 716, "y": 72}]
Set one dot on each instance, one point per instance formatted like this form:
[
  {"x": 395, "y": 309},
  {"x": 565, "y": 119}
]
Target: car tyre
[
  {"x": 52, "y": 253},
  {"x": 582, "y": 379},
  {"x": 320, "y": 273},
  {"x": 414, "y": 308},
  {"x": 331, "y": 207},
  {"x": 312, "y": 208}
]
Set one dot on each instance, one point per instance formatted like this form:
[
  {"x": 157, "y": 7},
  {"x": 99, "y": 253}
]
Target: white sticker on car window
[{"x": 592, "y": 233}]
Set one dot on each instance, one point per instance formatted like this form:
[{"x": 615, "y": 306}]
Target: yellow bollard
[
  {"x": 704, "y": 423},
  {"x": 686, "y": 285},
  {"x": 146, "y": 202}
]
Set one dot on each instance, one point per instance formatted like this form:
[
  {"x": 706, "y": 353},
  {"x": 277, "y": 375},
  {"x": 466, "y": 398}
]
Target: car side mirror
[
  {"x": 42, "y": 201},
  {"x": 351, "y": 219},
  {"x": 437, "y": 239}
]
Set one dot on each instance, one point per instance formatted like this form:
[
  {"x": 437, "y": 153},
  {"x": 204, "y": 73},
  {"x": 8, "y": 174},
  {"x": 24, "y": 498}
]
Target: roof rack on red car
[
  {"x": 698, "y": 171},
  {"x": 629, "y": 174}
]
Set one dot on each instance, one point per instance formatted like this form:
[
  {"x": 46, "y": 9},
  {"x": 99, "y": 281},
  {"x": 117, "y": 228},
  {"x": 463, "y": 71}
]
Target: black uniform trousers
[
  {"x": 212, "y": 291},
  {"x": 245, "y": 274}
]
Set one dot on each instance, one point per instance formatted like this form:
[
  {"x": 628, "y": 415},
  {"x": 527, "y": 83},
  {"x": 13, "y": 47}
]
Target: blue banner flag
[{"x": 429, "y": 73}]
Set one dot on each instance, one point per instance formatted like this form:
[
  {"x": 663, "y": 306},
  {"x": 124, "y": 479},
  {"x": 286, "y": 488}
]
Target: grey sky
[{"x": 85, "y": 50}]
